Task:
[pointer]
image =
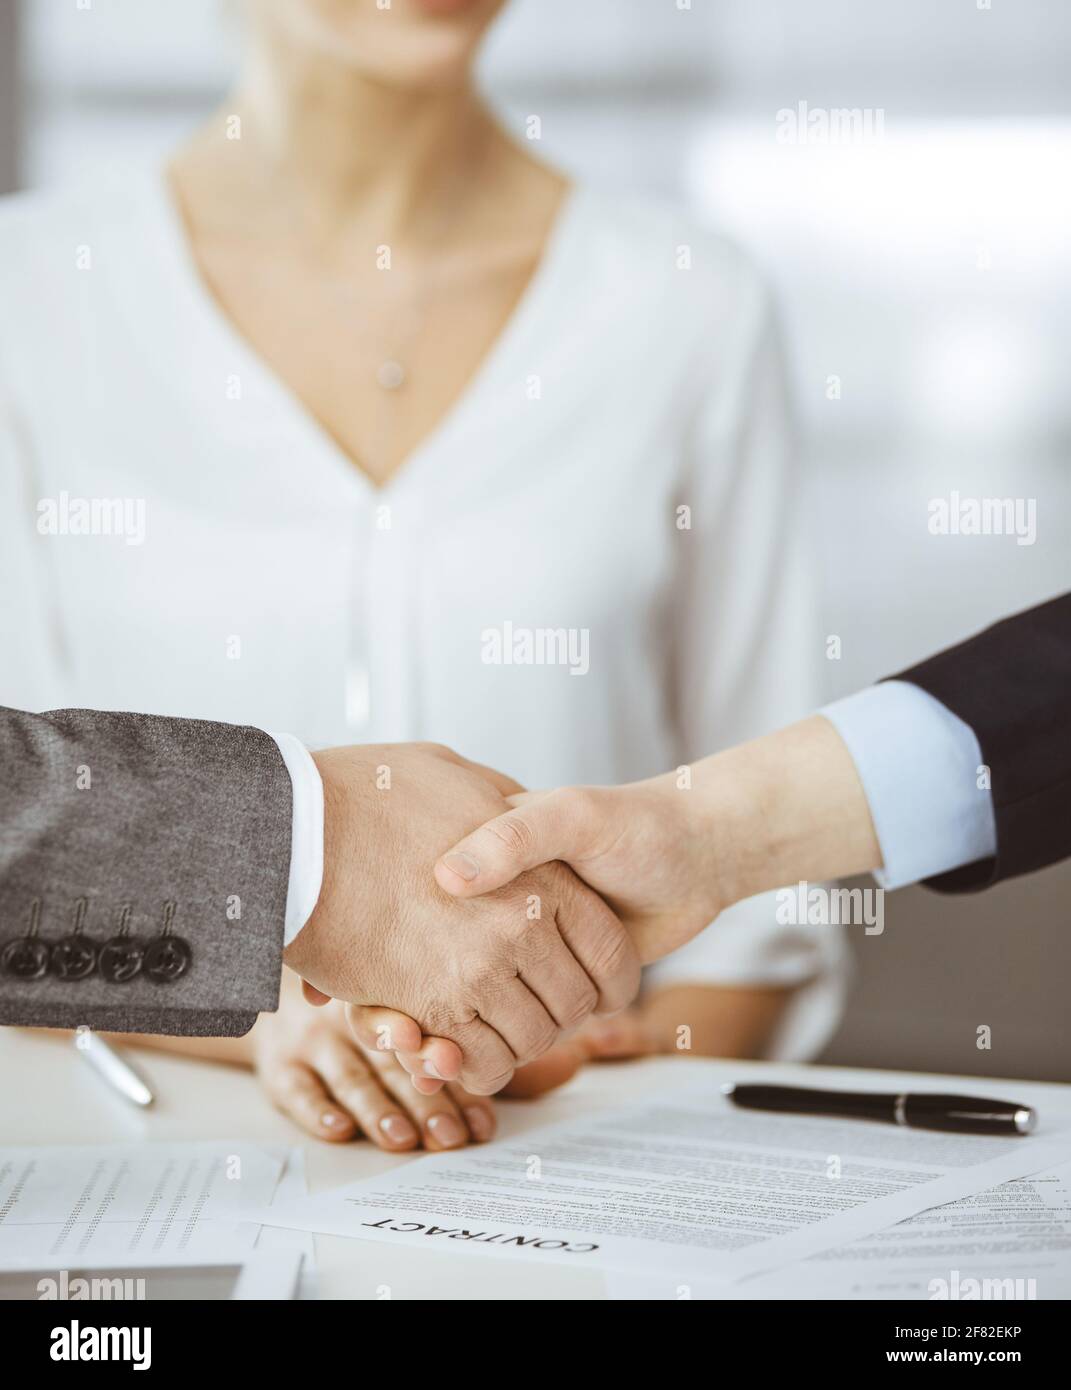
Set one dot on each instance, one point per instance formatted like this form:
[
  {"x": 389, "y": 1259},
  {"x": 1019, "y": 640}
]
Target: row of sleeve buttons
[{"x": 76, "y": 957}]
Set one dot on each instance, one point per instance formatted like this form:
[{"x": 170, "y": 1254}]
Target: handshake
[{"x": 469, "y": 924}]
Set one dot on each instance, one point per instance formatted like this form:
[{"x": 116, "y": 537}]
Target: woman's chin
[
  {"x": 448, "y": 8},
  {"x": 411, "y": 44}
]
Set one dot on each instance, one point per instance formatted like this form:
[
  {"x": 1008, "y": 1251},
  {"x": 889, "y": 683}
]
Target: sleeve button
[
  {"x": 73, "y": 957},
  {"x": 167, "y": 958},
  {"x": 25, "y": 958},
  {"x": 120, "y": 959}
]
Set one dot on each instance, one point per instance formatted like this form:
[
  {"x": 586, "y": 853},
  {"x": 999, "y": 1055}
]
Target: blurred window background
[{"x": 921, "y": 246}]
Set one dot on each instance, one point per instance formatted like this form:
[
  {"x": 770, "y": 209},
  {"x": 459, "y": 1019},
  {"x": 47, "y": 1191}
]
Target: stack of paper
[
  {"x": 182, "y": 1204},
  {"x": 686, "y": 1188}
]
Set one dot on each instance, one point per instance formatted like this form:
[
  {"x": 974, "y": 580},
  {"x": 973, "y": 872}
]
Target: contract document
[
  {"x": 686, "y": 1181},
  {"x": 1009, "y": 1242},
  {"x": 100, "y": 1202}
]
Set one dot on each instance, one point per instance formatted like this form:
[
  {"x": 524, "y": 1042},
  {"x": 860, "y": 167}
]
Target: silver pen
[{"x": 107, "y": 1063}]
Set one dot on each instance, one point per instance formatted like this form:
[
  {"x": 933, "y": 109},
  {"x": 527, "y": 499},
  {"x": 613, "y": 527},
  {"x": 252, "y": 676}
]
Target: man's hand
[{"x": 501, "y": 976}]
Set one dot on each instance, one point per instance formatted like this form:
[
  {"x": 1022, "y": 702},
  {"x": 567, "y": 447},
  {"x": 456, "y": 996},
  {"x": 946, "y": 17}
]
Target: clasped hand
[
  {"x": 542, "y": 906},
  {"x": 501, "y": 976}
]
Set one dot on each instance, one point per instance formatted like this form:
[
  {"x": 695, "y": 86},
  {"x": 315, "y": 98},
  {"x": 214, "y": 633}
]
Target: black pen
[{"x": 919, "y": 1110}]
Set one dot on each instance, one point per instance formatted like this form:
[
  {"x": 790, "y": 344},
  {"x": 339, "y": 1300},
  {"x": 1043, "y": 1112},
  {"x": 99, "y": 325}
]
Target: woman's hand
[{"x": 316, "y": 1073}]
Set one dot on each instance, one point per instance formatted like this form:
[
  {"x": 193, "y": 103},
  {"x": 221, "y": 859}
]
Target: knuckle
[
  {"x": 540, "y": 1040},
  {"x": 489, "y": 977},
  {"x": 513, "y": 832},
  {"x": 580, "y": 1006},
  {"x": 479, "y": 1085},
  {"x": 443, "y": 1017},
  {"x": 578, "y": 804},
  {"x": 524, "y": 920},
  {"x": 289, "y": 1089},
  {"x": 291, "y": 1077},
  {"x": 613, "y": 955},
  {"x": 354, "y": 1081},
  {"x": 560, "y": 880},
  {"x": 537, "y": 941}
]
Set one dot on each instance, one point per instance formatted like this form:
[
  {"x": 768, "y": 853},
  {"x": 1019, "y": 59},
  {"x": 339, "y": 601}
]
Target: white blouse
[{"x": 592, "y": 570}]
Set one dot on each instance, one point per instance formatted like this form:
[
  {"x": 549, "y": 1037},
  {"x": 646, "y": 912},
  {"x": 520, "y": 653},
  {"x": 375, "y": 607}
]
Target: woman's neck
[{"x": 344, "y": 150}]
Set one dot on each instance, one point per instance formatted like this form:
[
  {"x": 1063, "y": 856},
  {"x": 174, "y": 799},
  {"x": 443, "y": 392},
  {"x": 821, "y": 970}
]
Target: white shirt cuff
[
  {"x": 306, "y": 834},
  {"x": 919, "y": 765}
]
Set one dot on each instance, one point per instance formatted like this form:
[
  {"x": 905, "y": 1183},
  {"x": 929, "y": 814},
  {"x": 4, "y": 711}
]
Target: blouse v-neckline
[{"x": 177, "y": 259}]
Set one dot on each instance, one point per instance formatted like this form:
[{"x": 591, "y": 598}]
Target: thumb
[{"x": 535, "y": 831}]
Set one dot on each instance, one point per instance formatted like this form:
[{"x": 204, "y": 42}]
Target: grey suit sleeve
[{"x": 182, "y": 823}]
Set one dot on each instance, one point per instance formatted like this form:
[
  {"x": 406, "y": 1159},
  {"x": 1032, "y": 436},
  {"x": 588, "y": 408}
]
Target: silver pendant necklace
[{"x": 390, "y": 374}]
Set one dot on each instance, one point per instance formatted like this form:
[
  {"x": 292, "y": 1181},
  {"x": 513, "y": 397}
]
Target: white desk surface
[{"x": 48, "y": 1095}]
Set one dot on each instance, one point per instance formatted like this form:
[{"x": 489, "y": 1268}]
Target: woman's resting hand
[{"x": 316, "y": 1072}]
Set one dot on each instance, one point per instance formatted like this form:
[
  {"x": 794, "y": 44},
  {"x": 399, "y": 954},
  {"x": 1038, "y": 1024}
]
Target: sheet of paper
[
  {"x": 184, "y": 1200},
  {"x": 683, "y": 1182},
  {"x": 1009, "y": 1242},
  {"x": 292, "y": 1187}
]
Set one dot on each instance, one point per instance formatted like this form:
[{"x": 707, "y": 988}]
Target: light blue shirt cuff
[
  {"x": 920, "y": 768},
  {"x": 306, "y": 834}
]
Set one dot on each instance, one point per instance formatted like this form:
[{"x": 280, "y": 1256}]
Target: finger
[
  {"x": 554, "y": 826},
  {"x": 598, "y": 941},
  {"x": 487, "y": 1062},
  {"x": 437, "y": 1059},
  {"x": 299, "y": 1093},
  {"x": 476, "y": 1055},
  {"x": 357, "y": 1087},
  {"x": 425, "y": 1085},
  {"x": 383, "y": 1030},
  {"x": 519, "y": 1019},
  {"x": 314, "y": 996},
  {"x": 478, "y": 1113},
  {"x": 442, "y": 1125},
  {"x": 557, "y": 979}
]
